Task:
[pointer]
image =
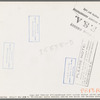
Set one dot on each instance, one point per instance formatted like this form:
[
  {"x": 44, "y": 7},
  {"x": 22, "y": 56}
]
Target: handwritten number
[
  {"x": 86, "y": 24},
  {"x": 78, "y": 19},
  {"x": 93, "y": 29}
]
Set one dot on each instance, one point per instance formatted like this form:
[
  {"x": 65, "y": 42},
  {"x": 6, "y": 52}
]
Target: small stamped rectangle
[
  {"x": 69, "y": 70},
  {"x": 34, "y": 28},
  {"x": 8, "y": 55},
  {"x": 85, "y": 62}
]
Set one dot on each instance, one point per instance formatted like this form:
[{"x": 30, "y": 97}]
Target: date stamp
[{"x": 85, "y": 21}]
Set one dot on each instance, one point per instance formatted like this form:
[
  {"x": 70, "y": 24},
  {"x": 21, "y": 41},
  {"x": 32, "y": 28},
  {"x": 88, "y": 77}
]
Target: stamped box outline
[
  {"x": 3, "y": 55},
  {"x": 86, "y": 85},
  {"x": 29, "y": 27},
  {"x": 65, "y": 69}
]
